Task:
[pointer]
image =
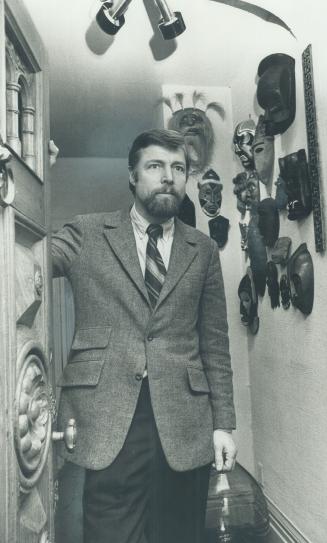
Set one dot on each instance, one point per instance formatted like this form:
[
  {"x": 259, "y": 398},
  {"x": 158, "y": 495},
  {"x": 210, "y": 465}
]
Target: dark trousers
[{"x": 139, "y": 498}]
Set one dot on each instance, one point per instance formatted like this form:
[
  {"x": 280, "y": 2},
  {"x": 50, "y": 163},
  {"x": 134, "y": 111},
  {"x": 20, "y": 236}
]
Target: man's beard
[{"x": 162, "y": 207}]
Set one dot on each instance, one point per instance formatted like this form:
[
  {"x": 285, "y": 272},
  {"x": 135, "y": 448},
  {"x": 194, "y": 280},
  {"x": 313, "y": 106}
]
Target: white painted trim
[{"x": 283, "y": 527}]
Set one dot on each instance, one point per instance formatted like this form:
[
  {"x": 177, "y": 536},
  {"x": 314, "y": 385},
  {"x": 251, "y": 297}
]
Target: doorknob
[{"x": 68, "y": 436}]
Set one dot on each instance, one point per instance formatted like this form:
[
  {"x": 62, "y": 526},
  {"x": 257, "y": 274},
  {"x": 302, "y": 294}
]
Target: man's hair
[{"x": 168, "y": 139}]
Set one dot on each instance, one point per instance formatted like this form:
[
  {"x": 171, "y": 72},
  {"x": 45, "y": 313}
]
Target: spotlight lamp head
[
  {"x": 111, "y": 19},
  {"x": 171, "y": 23}
]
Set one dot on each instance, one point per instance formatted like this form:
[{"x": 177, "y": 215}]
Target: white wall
[{"x": 288, "y": 357}]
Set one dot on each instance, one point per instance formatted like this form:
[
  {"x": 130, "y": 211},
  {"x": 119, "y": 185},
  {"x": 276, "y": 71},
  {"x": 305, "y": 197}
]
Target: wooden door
[{"x": 27, "y": 405}]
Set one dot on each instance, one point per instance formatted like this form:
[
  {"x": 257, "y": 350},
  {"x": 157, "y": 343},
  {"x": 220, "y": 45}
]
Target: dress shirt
[{"x": 164, "y": 243}]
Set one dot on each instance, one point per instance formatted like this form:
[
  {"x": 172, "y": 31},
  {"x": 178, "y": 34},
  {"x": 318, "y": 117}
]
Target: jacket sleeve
[
  {"x": 214, "y": 345},
  {"x": 66, "y": 246}
]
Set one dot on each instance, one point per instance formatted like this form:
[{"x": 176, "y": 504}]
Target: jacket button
[
  {"x": 138, "y": 376},
  {"x": 150, "y": 338}
]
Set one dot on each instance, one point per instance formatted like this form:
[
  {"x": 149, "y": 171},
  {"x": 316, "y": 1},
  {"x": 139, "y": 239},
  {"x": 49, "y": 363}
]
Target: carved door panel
[{"x": 26, "y": 370}]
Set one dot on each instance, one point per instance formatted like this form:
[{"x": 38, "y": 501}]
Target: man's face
[
  {"x": 210, "y": 198},
  {"x": 159, "y": 179}
]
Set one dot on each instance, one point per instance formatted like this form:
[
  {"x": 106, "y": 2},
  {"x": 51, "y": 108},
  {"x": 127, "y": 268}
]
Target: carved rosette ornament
[{"x": 33, "y": 416}]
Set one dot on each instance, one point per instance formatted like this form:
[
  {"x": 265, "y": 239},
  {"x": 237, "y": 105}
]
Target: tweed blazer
[{"x": 183, "y": 342}]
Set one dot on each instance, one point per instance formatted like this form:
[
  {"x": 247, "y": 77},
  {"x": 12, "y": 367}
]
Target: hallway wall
[{"x": 288, "y": 356}]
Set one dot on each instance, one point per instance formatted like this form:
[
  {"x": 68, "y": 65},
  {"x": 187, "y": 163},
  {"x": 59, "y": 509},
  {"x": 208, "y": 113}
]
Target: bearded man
[{"x": 149, "y": 379}]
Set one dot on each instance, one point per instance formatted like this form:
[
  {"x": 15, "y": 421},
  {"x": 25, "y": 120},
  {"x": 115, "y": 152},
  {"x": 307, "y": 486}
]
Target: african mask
[
  {"x": 196, "y": 127},
  {"x": 246, "y": 189},
  {"x": 197, "y": 130},
  {"x": 276, "y": 92},
  {"x": 268, "y": 221},
  {"x": 258, "y": 255},
  {"x": 243, "y": 140},
  {"x": 281, "y": 194},
  {"x": 280, "y": 252},
  {"x": 210, "y": 196},
  {"x": 301, "y": 279},
  {"x": 295, "y": 173},
  {"x": 248, "y": 302},
  {"x": 218, "y": 228},
  {"x": 263, "y": 152},
  {"x": 272, "y": 284}
]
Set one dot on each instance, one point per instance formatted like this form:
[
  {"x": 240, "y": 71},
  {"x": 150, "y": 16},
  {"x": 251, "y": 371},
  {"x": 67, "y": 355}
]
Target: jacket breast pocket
[
  {"x": 197, "y": 380},
  {"x": 81, "y": 374},
  {"x": 90, "y": 343}
]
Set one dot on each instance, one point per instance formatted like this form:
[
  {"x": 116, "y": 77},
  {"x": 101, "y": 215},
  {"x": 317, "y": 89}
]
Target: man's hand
[{"x": 225, "y": 450}]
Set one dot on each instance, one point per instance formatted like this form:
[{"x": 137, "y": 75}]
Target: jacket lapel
[
  {"x": 183, "y": 252},
  {"x": 119, "y": 233}
]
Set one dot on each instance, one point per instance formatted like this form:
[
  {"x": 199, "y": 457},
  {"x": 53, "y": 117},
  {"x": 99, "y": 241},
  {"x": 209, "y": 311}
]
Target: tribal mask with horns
[{"x": 196, "y": 127}]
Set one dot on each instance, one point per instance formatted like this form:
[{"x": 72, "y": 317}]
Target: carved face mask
[
  {"x": 263, "y": 153},
  {"x": 252, "y": 191},
  {"x": 243, "y": 140},
  {"x": 272, "y": 284},
  {"x": 218, "y": 228},
  {"x": 294, "y": 172},
  {"x": 276, "y": 92},
  {"x": 301, "y": 279},
  {"x": 210, "y": 196},
  {"x": 196, "y": 127},
  {"x": 247, "y": 189},
  {"x": 248, "y": 302},
  {"x": 268, "y": 222}
]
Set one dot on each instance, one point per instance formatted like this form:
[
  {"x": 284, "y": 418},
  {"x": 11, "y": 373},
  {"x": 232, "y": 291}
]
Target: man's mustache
[{"x": 165, "y": 191}]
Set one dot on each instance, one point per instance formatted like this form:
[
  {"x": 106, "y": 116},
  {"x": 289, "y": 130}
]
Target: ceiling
[{"x": 104, "y": 90}]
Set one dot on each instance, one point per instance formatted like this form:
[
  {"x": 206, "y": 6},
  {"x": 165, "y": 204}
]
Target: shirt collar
[{"x": 141, "y": 224}]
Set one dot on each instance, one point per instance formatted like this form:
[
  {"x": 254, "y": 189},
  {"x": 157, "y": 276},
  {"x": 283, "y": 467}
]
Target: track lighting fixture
[{"x": 110, "y": 18}]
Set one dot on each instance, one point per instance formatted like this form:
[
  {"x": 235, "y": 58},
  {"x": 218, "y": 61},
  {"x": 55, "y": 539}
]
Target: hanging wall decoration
[
  {"x": 276, "y": 92},
  {"x": 313, "y": 149},
  {"x": 301, "y": 278},
  {"x": 295, "y": 173},
  {"x": 248, "y": 302},
  {"x": 194, "y": 124},
  {"x": 272, "y": 284},
  {"x": 280, "y": 252},
  {"x": 210, "y": 197},
  {"x": 263, "y": 152},
  {"x": 246, "y": 184},
  {"x": 268, "y": 221}
]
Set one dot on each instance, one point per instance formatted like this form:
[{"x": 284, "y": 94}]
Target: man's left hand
[{"x": 225, "y": 451}]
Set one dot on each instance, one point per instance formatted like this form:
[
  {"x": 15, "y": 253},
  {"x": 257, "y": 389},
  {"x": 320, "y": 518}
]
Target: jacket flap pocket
[
  {"x": 197, "y": 380},
  {"x": 91, "y": 338},
  {"x": 81, "y": 374}
]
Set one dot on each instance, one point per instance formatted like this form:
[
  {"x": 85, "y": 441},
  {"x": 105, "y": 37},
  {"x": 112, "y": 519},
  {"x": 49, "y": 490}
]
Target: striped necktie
[{"x": 155, "y": 270}]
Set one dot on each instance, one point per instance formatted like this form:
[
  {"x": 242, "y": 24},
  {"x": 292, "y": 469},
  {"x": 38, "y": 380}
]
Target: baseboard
[{"x": 282, "y": 529}]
